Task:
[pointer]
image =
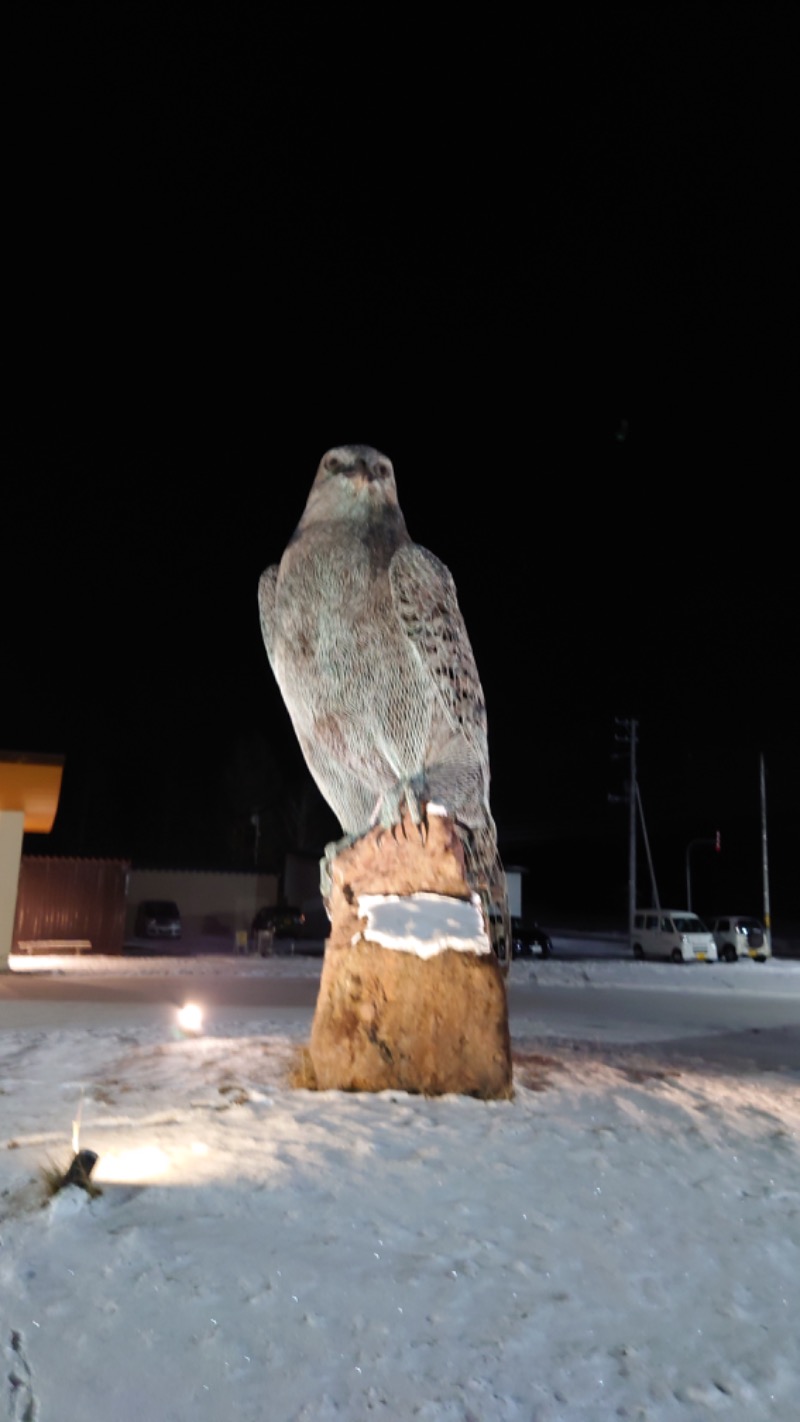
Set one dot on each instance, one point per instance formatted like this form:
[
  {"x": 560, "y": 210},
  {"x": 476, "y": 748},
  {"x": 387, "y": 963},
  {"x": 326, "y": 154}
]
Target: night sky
[{"x": 547, "y": 273}]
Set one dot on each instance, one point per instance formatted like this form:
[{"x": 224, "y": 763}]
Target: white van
[
  {"x": 674, "y": 934},
  {"x": 739, "y": 936}
]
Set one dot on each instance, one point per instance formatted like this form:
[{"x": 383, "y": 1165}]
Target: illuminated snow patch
[
  {"x": 424, "y": 924},
  {"x": 133, "y": 1166}
]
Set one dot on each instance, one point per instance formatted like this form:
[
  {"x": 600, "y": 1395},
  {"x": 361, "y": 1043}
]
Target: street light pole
[
  {"x": 689, "y": 873},
  {"x": 632, "y": 835}
]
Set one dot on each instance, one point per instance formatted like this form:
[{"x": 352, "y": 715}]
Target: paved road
[
  {"x": 41, "y": 1001},
  {"x": 723, "y": 1027},
  {"x": 715, "y": 1027}
]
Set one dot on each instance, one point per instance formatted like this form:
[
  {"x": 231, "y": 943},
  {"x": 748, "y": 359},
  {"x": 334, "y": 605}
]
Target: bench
[{"x": 54, "y": 945}]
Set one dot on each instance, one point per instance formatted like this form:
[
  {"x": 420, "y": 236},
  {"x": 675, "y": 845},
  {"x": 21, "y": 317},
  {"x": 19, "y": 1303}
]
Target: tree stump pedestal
[{"x": 412, "y": 997}]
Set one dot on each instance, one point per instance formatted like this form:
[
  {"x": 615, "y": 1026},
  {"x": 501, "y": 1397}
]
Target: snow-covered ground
[{"x": 620, "y": 1240}]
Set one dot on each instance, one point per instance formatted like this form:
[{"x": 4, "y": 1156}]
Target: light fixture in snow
[{"x": 190, "y": 1018}]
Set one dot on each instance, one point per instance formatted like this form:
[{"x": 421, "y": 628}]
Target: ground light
[
  {"x": 80, "y": 1168},
  {"x": 190, "y": 1019},
  {"x": 77, "y": 1173}
]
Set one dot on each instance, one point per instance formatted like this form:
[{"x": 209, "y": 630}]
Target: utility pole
[
  {"x": 626, "y": 734},
  {"x": 764, "y": 864},
  {"x": 653, "y": 884}
]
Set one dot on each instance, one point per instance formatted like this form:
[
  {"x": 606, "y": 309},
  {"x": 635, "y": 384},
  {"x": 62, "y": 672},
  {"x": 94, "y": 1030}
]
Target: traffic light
[{"x": 717, "y": 844}]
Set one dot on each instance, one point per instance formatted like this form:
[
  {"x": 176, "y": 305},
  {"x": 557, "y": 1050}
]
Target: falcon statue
[{"x": 368, "y": 645}]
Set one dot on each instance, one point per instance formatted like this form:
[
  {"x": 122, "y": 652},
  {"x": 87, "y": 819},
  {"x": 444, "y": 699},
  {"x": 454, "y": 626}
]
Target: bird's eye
[
  {"x": 334, "y": 465},
  {"x": 383, "y": 469}
]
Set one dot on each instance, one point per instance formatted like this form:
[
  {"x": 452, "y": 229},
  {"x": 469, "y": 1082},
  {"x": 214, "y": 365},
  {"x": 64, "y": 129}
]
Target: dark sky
[{"x": 546, "y": 273}]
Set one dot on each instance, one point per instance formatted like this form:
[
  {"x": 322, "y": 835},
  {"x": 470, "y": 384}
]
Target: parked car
[
  {"x": 529, "y": 940},
  {"x": 675, "y": 934},
  {"x": 283, "y": 924},
  {"x": 739, "y": 936},
  {"x": 158, "y": 918}
]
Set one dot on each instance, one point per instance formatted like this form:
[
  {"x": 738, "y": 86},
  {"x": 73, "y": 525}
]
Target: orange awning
[{"x": 32, "y": 784}]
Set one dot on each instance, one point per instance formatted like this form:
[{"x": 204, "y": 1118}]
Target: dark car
[
  {"x": 273, "y": 924},
  {"x": 529, "y": 940},
  {"x": 158, "y": 918}
]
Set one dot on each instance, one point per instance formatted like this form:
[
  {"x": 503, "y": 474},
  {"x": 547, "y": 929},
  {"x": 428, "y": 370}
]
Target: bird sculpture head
[{"x": 348, "y": 476}]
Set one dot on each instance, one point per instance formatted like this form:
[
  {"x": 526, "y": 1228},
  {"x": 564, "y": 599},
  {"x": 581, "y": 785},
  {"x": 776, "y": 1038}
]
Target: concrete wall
[
  {"x": 212, "y": 905},
  {"x": 11, "y": 832},
  {"x": 514, "y": 887}
]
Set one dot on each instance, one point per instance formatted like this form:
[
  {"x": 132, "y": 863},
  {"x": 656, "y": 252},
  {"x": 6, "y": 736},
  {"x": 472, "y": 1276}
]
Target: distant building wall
[
  {"x": 214, "y": 905},
  {"x": 97, "y": 899},
  {"x": 514, "y": 887}
]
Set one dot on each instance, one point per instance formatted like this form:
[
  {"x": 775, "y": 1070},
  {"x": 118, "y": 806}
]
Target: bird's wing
[
  {"x": 266, "y": 607},
  {"x": 425, "y": 600}
]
